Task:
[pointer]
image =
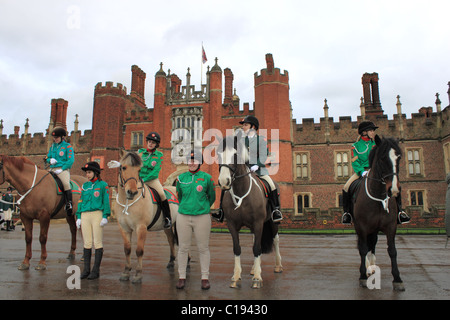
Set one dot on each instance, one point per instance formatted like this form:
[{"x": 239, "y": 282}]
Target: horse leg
[
  {"x": 28, "y": 225},
  {"x": 44, "y": 224},
  {"x": 236, "y": 279},
  {"x": 363, "y": 250},
  {"x": 257, "y": 281},
  {"x": 73, "y": 231},
  {"x": 276, "y": 244},
  {"x": 171, "y": 240},
  {"x": 141, "y": 236},
  {"x": 126, "y": 236},
  {"x": 392, "y": 251},
  {"x": 371, "y": 244}
]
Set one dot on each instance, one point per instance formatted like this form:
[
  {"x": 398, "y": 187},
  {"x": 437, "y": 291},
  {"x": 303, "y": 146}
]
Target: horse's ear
[
  {"x": 121, "y": 153},
  {"x": 377, "y": 140}
]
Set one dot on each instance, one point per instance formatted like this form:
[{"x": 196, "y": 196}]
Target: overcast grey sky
[{"x": 61, "y": 49}]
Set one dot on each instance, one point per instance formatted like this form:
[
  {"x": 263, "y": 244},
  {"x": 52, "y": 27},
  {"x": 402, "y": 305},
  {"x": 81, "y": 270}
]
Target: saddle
[
  {"x": 265, "y": 185},
  {"x": 76, "y": 189},
  {"x": 156, "y": 199},
  {"x": 353, "y": 190}
]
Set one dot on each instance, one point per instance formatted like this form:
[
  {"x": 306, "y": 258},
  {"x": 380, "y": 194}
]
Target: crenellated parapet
[{"x": 110, "y": 89}]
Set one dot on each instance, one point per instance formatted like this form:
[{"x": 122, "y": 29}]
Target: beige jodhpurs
[
  {"x": 354, "y": 177},
  {"x": 64, "y": 177},
  {"x": 156, "y": 184},
  {"x": 90, "y": 227},
  {"x": 269, "y": 181},
  {"x": 201, "y": 226}
]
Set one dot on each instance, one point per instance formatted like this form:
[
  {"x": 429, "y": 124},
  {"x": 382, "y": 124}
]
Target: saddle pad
[
  {"x": 172, "y": 198},
  {"x": 265, "y": 185},
  {"x": 76, "y": 189}
]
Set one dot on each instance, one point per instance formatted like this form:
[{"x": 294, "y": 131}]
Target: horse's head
[
  {"x": 231, "y": 153},
  {"x": 130, "y": 165},
  {"x": 385, "y": 163}
]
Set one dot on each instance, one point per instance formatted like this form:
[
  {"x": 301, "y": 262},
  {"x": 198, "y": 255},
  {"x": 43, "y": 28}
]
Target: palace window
[
  {"x": 302, "y": 201},
  {"x": 137, "y": 140},
  {"x": 301, "y": 165},
  {"x": 187, "y": 131},
  {"x": 415, "y": 163},
  {"x": 343, "y": 164}
]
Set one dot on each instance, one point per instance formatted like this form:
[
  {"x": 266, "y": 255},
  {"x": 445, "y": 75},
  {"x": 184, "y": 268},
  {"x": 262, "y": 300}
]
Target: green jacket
[
  {"x": 360, "y": 155},
  {"x": 8, "y": 197},
  {"x": 258, "y": 152},
  {"x": 196, "y": 193},
  {"x": 151, "y": 164},
  {"x": 63, "y": 153},
  {"x": 94, "y": 196}
]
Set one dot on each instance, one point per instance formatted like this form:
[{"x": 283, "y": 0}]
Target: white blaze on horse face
[
  {"x": 225, "y": 173},
  {"x": 394, "y": 157}
]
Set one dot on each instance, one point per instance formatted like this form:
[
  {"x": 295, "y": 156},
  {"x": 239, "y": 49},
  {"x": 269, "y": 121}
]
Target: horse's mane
[
  {"x": 132, "y": 159},
  {"x": 17, "y": 162},
  {"x": 381, "y": 150}
]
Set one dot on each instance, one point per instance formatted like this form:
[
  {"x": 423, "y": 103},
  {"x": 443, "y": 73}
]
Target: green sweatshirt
[
  {"x": 151, "y": 164},
  {"x": 195, "y": 192},
  {"x": 94, "y": 196},
  {"x": 360, "y": 155}
]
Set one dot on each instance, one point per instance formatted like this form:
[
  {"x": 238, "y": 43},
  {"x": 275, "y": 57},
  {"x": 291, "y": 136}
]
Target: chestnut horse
[
  {"x": 375, "y": 208},
  {"x": 39, "y": 200},
  {"x": 245, "y": 205},
  {"x": 136, "y": 212}
]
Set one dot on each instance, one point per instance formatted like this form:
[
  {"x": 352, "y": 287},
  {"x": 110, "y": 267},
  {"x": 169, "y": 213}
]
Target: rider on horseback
[
  {"x": 61, "y": 158},
  {"x": 257, "y": 155},
  {"x": 360, "y": 164},
  {"x": 152, "y": 159}
]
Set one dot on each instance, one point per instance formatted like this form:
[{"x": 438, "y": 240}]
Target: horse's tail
[{"x": 268, "y": 234}]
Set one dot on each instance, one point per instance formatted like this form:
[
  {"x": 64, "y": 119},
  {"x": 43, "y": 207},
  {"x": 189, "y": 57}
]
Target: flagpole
[{"x": 201, "y": 70}]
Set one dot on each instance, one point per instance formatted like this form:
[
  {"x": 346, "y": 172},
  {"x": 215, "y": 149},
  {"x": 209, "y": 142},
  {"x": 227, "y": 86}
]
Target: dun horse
[
  {"x": 38, "y": 200},
  {"x": 376, "y": 209},
  {"x": 244, "y": 204},
  {"x": 136, "y": 212}
]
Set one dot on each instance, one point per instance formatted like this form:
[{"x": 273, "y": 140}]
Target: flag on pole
[{"x": 204, "y": 59}]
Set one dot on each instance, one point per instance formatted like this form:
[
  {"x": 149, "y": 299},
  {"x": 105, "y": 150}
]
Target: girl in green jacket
[
  {"x": 92, "y": 214},
  {"x": 196, "y": 195}
]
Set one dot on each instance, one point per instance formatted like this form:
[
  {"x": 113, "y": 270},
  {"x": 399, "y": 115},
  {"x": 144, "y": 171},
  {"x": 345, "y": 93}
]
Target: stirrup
[
  {"x": 218, "y": 216},
  {"x": 167, "y": 223},
  {"x": 276, "y": 215},
  {"x": 405, "y": 216},
  {"x": 347, "y": 222}
]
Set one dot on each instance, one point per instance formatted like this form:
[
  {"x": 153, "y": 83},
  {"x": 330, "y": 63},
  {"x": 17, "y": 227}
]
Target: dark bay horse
[
  {"x": 136, "y": 212},
  {"x": 244, "y": 204},
  {"x": 38, "y": 200},
  {"x": 375, "y": 207}
]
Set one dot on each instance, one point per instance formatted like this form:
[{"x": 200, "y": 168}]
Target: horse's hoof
[
  {"x": 257, "y": 283},
  {"x": 278, "y": 269},
  {"x": 137, "y": 280},
  {"x": 363, "y": 283},
  {"x": 71, "y": 256},
  {"x": 40, "y": 267},
  {"x": 170, "y": 265},
  {"x": 124, "y": 277},
  {"x": 398, "y": 286},
  {"x": 24, "y": 266},
  {"x": 235, "y": 283}
]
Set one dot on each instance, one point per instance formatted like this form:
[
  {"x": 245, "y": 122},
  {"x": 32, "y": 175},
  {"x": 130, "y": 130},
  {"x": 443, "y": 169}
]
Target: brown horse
[
  {"x": 375, "y": 208},
  {"x": 136, "y": 212},
  {"x": 244, "y": 204},
  {"x": 39, "y": 200}
]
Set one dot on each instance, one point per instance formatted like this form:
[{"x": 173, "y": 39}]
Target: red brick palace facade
[{"x": 311, "y": 161}]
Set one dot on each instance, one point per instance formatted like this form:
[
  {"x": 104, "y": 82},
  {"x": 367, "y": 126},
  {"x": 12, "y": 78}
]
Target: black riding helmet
[
  {"x": 92, "y": 166},
  {"x": 365, "y": 126},
  {"x": 154, "y": 136},
  {"x": 59, "y": 132},
  {"x": 252, "y": 120}
]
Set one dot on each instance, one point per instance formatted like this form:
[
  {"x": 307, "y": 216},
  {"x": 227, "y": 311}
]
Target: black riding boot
[
  {"x": 69, "y": 207},
  {"x": 95, "y": 272},
  {"x": 87, "y": 263},
  {"x": 166, "y": 213},
  {"x": 219, "y": 215},
  {"x": 402, "y": 216},
  {"x": 347, "y": 216},
  {"x": 275, "y": 202}
]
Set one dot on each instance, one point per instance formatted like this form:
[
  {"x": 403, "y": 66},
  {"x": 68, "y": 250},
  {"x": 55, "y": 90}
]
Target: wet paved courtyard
[{"x": 316, "y": 267}]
